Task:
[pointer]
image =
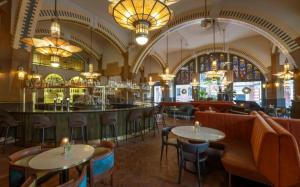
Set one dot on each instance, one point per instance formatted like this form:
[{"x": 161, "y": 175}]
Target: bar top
[{"x": 81, "y": 109}]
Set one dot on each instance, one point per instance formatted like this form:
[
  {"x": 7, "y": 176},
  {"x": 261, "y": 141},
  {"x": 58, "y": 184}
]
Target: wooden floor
[{"x": 138, "y": 165}]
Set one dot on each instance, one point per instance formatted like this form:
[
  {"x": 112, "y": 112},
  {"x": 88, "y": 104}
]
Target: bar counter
[{"x": 61, "y": 117}]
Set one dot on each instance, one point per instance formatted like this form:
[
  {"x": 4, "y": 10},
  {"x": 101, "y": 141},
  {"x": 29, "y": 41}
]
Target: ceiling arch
[
  {"x": 272, "y": 32},
  {"x": 85, "y": 21},
  {"x": 234, "y": 51}
]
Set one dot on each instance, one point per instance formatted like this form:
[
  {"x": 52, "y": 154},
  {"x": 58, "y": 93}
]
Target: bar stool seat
[
  {"x": 109, "y": 120},
  {"x": 8, "y": 123},
  {"x": 42, "y": 123},
  {"x": 78, "y": 121}
]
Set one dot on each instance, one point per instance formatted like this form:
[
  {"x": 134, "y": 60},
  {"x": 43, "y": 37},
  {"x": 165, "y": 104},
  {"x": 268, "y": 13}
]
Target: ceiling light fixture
[
  {"x": 166, "y": 76},
  {"x": 91, "y": 75},
  {"x": 141, "y": 16},
  {"x": 286, "y": 74},
  {"x": 53, "y": 45},
  {"x": 214, "y": 74}
]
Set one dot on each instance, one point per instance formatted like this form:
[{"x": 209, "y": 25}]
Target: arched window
[
  {"x": 245, "y": 74},
  {"x": 53, "y": 82}
]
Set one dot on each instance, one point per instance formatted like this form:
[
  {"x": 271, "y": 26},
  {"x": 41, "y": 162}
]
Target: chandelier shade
[
  {"x": 167, "y": 76},
  {"x": 130, "y": 13},
  {"x": 52, "y": 46},
  {"x": 286, "y": 74},
  {"x": 90, "y": 74},
  {"x": 141, "y": 16},
  {"x": 150, "y": 82}
]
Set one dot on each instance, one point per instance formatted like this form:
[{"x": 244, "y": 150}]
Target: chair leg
[
  {"x": 161, "y": 151},
  {"x": 5, "y": 138},
  {"x": 180, "y": 172},
  {"x": 126, "y": 131},
  {"x": 177, "y": 155},
  {"x": 141, "y": 130},
  {"x": 198, "y": 174},
  {"x": 15, "y": 134},
  {"x": 229, "y": 179},
  {"x": 115, "y": 133},
  {"x": 72, "y": 133},
  {"x": 86, "y": 135},
  {"x": 43, "y": 136},
  {"x": 167, "y": 151},
  {"x": 111, "y": 180},
  {"x": 82, "y": 134}
]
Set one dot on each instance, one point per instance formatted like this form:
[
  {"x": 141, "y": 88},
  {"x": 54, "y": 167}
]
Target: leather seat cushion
[{"x": 238, "y": 160}]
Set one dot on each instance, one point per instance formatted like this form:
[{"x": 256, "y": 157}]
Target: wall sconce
[
  {"x": 21, "y": 73},
  {"x": 277, "y": 84},
  {"x": 264, "y": 85}
]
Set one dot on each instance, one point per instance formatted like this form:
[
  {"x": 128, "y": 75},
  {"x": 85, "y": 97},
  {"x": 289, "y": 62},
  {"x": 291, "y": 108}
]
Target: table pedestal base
[{"x": 63, "y": 176}]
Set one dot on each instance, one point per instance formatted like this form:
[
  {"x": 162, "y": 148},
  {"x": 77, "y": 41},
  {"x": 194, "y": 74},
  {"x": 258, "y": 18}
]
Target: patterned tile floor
[{"x": 139, "y": 166}]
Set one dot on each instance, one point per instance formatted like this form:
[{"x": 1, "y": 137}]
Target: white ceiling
[{"x": 193, "y": 36}]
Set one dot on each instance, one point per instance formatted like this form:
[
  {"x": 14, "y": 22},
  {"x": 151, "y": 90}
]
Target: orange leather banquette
[
  {"x": 251, "y": 148},
  {"x": 289, "y": 142},
  {"x": 289, "y": 156},
  {"x": 219, "y": 106}
]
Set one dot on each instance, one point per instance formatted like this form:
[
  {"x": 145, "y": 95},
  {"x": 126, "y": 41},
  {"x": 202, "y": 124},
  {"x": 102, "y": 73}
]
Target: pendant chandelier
[
  {"x": 166, "y": 76},
  {"x": 214, "y": 74},
  {"x": 195, "y": 83},
  {"x": 286, "y": 74},
  {"x": 141, "y": 16},
  {"x": 91, "y": 75},
  {"x": 53, "y": 45}
]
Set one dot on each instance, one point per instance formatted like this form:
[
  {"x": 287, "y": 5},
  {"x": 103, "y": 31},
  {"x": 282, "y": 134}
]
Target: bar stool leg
[
  {"x": 43, "y": 136},
  {"x": 82, "y": 134},
  {"x": 5, "y": 138}
]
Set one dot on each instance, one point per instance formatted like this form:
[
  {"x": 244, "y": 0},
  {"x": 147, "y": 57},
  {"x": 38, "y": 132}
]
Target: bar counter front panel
[{"x": 61, "y": 118}]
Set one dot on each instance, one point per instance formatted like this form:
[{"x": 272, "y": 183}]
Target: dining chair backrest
[
  {"x": 80, "y": 182},
  {"x": 41, "y": 121},
  {"x": 18, "y": 165},
  {"x": 101, "y": 166},
  {"x": 165, "y": 134},
  {"x": 188, "y": 149},
  {"x": 77, "y": 120},
  {"x": 109, "y": 118},
  {"x": 30, "y": 181}
]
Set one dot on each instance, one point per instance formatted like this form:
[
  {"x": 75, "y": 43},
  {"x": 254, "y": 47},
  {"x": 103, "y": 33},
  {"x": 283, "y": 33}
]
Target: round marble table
[
  {"x": 204, "y": 133},
  {"x": 56, "y": 160}
]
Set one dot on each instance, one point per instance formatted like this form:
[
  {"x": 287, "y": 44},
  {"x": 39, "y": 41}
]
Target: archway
[{"x": 262, "y": 27}]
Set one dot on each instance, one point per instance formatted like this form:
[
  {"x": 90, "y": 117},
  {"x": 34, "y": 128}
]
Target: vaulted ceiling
[{"x": 284, "y": 16}]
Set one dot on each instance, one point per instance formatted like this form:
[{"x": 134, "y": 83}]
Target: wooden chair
[{"x": 19, "y": 169}]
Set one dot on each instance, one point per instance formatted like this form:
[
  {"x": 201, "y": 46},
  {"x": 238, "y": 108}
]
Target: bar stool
[
  {"x": 147, "y": 118},
  {"x": 109, "y": 120},
  {"x": 153, "y": 116},
  {"x": 8, "y": 123},
  {"x": 134, "y": 123},
  {"x": 77, "y": 121},
  {"x": 41, "y": 123}
]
